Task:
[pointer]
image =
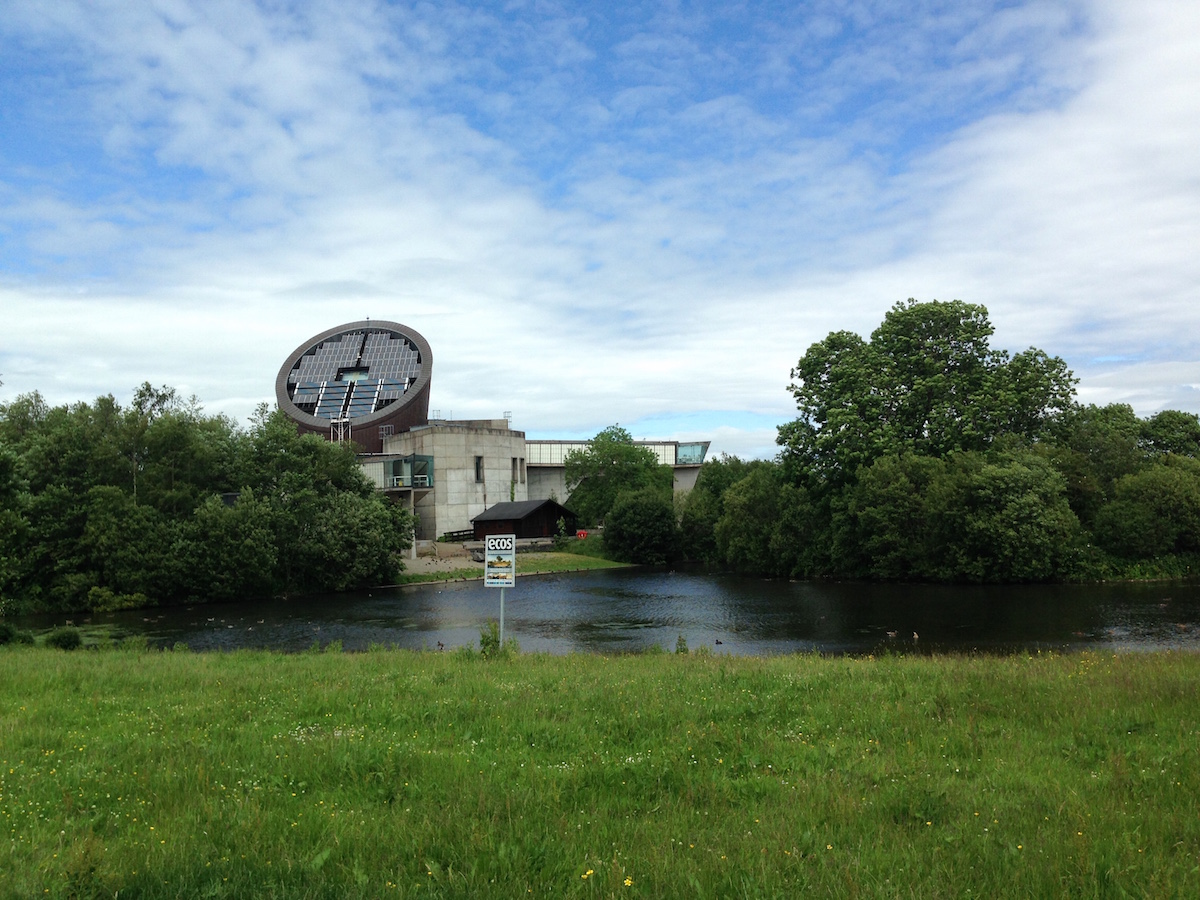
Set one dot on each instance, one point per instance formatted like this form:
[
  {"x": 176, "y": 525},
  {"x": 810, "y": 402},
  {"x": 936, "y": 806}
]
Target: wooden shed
[{"x": 524, "y": 518}]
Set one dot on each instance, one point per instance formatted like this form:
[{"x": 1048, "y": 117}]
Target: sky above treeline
[{"x": 634, "y": 213}]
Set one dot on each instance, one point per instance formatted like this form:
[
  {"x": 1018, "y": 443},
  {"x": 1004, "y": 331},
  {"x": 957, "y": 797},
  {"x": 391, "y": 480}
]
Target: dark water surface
[{"x": 625, "y": 610}]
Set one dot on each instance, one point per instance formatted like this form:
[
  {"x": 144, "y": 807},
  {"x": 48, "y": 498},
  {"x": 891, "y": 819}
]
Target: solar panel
[{"x": 375, "y": 368}]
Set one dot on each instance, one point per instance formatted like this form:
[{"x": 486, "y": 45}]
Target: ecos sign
[{"x": 500, "y": 560}]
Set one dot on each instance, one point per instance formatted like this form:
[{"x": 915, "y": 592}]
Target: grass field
[{"x": 128, "y": 773}]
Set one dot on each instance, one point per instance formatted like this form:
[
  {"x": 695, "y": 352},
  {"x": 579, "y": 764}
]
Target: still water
[{"x": 625, "y": 610}]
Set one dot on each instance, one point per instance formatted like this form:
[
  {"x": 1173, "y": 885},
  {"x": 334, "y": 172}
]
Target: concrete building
[
  {"x": 368, "y": 383},
  {"x": 449, "y": 471},
  {"x": 547, "y": 464}
]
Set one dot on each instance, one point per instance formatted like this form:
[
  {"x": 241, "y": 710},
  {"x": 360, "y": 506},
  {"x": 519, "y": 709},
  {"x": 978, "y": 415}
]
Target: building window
[
  {"x": 479, "y": 470},
  {"x": 516, "y": 472},
  {"x": 522, "y": 470}
]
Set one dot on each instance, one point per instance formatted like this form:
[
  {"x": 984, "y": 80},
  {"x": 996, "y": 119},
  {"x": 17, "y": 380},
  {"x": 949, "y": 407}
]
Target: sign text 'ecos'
[{"x": 500, "y": 542}]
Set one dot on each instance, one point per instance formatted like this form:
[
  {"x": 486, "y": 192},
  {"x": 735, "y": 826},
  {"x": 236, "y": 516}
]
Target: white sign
[{"x": 500, "y": 560}]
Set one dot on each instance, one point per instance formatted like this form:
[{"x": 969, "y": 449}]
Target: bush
[
  {"x": 640, "y": 528},
  {"x": 11, "y": 635},
  {"x": 489, "y": 642},
  {"x": 65, "y": 638},
  {"x": 1155, "y": 512}
]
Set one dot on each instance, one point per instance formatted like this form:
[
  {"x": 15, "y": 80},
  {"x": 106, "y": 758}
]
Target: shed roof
[{"x": 518, "y": 509}]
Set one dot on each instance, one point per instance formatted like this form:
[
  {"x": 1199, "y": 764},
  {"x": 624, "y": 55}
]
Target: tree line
[
  {"x": 105, "y": 506},
  {"x": 922, "y": 453}
]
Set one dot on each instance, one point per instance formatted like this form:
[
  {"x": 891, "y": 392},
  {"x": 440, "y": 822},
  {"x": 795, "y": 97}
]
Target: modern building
[
  {"x": 368, "y": 383},
  {"x": 449, "y": 471},
  {"x": 359, "y": 382}
]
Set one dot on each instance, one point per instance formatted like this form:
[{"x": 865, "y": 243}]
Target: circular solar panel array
[{"x": 363, "y": 373}]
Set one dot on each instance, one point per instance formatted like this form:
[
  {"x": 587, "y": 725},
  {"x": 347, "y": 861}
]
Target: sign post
[{"x": 500, "y": 567}]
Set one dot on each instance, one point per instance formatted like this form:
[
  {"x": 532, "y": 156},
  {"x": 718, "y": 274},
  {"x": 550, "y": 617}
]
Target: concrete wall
[
  {"x": 548, "y": 483},
  {"x": 685, "y": 478},
  {"x": 457, "y": 496},
  {"x": 375, "y": 471},
  {"x": 547, "y": 480}
]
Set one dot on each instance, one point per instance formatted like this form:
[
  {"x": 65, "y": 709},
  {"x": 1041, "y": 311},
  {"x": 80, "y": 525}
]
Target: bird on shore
[
  {"x": 892, "y": 635},
  {"x": 916, "y": 637}
]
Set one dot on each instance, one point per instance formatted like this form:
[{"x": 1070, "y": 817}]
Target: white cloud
[{"x": 658, "y": 222}]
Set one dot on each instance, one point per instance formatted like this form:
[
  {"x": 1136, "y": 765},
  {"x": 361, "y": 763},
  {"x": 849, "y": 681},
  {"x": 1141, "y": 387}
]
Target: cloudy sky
[{"x": 640, "y": 213}]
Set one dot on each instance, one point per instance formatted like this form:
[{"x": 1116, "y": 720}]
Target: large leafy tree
[
  {"x": 1094, "y": 446},
  {"x": 971, "y": 516},
  {"x": 927, "y": 382},
  {"x": 1172, "y": 431},
  {"x": 611, "y": 465},
  {"x": 704, "y": 505},
  {"x": 766, "y": 525},
  {"x": 104, "y": 506}
]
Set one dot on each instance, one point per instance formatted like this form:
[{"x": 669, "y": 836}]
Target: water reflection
[{"x": 630, "y": 610}]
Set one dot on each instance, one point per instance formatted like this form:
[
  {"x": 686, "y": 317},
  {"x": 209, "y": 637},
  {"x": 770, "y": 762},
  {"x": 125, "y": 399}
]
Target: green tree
[
  {"x": 13, "y": 525},
  {"x": 332, "y": 530},
  {"x": 230, "y": 549},
  {"x": 611, "y": 465},
  {"x": 704, "y": 505},
  {"x": 130, "y": 549},
  {"x": 1092, "y": 447},
  {"x": 969, "y": 517},
  {"x": 927, "y": 382},
  {"x": 640, "y": 528},
  {"x": 766, "y": 525},
  {"x": 1172, "y": 431},
  {"x": 883, "y": 526},
  {"x": 1153, "y": 512},
  {"x": 105, "y": 507},
  {"x": 1004, "y": 519}
]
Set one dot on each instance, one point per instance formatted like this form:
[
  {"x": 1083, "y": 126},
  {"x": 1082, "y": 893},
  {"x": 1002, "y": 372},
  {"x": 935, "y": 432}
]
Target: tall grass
[{"x": 660, "y": 775}]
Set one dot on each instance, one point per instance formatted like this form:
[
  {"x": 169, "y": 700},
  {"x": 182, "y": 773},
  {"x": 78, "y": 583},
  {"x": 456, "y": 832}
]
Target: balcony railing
[{"x": 408, "y": 481}]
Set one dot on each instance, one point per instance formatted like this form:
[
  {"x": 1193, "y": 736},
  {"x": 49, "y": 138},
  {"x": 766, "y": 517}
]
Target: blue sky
[{"x": 596, "y": 213}]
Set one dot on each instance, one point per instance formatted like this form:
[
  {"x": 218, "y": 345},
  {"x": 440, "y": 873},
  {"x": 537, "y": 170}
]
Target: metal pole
[
  {"x": 501, "y": 618},
  {"x": 412, "y": 509}
]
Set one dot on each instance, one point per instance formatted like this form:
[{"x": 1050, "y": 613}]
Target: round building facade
[{"x": 358, "y": 382}]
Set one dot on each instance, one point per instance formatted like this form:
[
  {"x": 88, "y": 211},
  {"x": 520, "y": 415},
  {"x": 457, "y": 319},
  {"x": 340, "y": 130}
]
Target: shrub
[
  {"x": 489, "y": 643},
  {"x": 640, "y": 528},
  {"x": 1155, "y": 512},
  {"x": 11, "y": 635},
  {"x": 65, "y": 638},
  {"x": 489, "y": 639}
]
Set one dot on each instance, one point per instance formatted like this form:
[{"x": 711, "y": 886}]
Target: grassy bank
[
  {"x": 393, "y": 773},
  {"x": 533, "y": 563}
]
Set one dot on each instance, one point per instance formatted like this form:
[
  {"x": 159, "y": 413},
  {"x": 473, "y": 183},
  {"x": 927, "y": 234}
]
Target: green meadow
[{"x": 171, "y": 774}]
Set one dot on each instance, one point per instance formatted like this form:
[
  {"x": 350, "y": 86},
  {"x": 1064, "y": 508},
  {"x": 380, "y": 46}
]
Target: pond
[{"x": 629, "y": 610}]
